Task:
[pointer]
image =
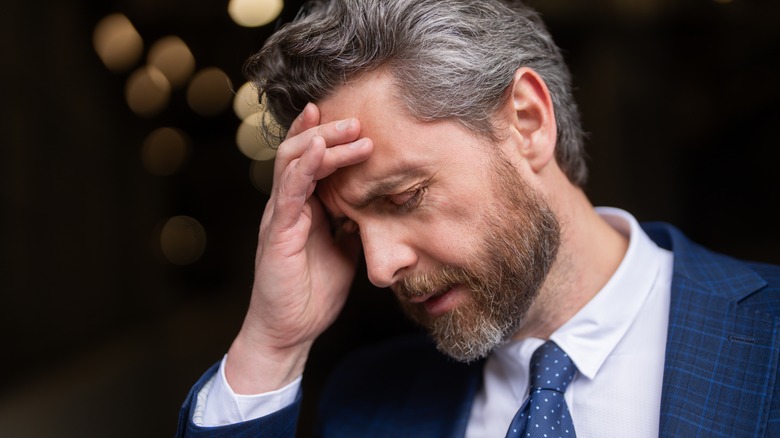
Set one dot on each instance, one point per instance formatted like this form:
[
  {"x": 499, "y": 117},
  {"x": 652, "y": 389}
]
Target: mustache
[{"x": 431, "y": 283}]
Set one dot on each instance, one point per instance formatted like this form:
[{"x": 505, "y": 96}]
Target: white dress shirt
[{"x": 617, "y": 341}]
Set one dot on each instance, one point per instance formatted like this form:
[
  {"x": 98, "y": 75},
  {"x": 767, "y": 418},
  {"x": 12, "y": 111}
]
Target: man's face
[{"x": 445, "y": 220}]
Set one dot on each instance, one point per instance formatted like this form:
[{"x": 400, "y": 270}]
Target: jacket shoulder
[{"x": 718, "y": 275}]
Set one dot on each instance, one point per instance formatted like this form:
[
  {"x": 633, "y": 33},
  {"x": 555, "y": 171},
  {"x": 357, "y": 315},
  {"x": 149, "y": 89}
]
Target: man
[{"x": 441, "y": 138}]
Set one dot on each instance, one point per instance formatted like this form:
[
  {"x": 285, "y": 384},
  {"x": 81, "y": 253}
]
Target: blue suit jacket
[{"x": 719, "y": 376}]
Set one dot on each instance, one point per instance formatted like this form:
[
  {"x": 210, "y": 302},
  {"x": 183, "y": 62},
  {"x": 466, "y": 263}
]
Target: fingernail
[
  {"x": 357, "y": 144},
  {"x": 344, "y": 124},
  {"x": 300, "y": 116}
]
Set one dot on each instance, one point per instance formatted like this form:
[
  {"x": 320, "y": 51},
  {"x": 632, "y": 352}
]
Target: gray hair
[{"x": 451, "y": 59}]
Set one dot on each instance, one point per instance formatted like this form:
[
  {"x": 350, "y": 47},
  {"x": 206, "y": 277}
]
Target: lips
[
  {"x": 432, "y": 304},
  {"x": 444, "y": 301},
  {"x": 417, "y": 299}
]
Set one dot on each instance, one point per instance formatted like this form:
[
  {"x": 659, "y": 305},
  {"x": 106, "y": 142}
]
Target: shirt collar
[
  {"x": 590, "y": 336},
  {"x": 592, "y": 333}
]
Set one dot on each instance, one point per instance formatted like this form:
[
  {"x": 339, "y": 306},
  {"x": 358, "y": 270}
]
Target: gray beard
[{"x": 519, "y": 243}]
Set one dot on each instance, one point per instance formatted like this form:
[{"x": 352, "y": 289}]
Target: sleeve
[{"x": 212, "y": 409}]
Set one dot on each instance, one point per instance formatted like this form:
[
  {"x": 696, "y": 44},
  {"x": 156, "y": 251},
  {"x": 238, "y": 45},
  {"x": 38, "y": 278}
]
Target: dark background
[{"x": 101, "y": 336}]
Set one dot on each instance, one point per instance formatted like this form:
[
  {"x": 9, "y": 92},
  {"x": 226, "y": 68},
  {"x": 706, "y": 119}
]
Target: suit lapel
[{"x": 720, "y": 355}]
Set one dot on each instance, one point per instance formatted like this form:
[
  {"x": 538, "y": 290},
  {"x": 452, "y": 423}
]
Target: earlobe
[{"x": 532, "y": 118}]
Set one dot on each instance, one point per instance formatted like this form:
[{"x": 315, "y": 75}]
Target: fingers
[
  {"x": 293, "y": 146},
  {"x": 298, "y": 180},
  {"x": 341, "y": 140},
  {"x": 309, "y": 118},
  {"x": 344, "y": 155},
  {"x": 296, "y": 185},
  {"x": 312, "y": 152},
  {"x": 340, "y": 137},
  {"x": 306, "y": 126}
]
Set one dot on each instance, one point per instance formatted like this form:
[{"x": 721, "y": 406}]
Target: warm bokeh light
[
  {"x": 261, "y": 173},
  {"x": 246, "y": 101},
  {"x": 165, "y": 151},
  {"x": 209, "y": 92},
  {"x": 254, "y": 13},
  {"x": 117, "y": 42},
  {"x": 182, "y": 240},
  {"x": 173, "y": 58},
  {"x": 147, "y": 91},
  {"x": 250, "y": 139}
]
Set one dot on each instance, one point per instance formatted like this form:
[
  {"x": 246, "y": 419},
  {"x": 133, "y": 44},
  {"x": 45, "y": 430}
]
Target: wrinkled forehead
[
  {"x": 370, "y": 96},
  {"x": 405, "y": 148},
  {"x": 372, "y": 99},
  {"x": 391, "y": 168}
]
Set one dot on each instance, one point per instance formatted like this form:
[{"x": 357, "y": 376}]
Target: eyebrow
[{"x": 388, "y": 185}]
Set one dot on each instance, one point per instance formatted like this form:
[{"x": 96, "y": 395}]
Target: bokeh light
[
  {"x": 250, "y": 139},
  {"x": 209, "y": 92},
  {"x": 246, "y": 101},
  {"x": 254, "y": 13},
  {"x": 117, "y": 42},
  {"x": 182, "y": 240},
  {"x": 173, "y": 58},
  {"x": 261, "y": 173},
  {"x": 165, "y": 151},
  {"x": 147, "y": 91}
]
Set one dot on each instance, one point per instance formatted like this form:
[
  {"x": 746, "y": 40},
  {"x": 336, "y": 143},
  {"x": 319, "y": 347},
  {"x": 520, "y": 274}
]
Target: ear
[{"x": 531, "y": 119}]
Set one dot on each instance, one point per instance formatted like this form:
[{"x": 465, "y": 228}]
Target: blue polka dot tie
[{"x": 545, "y": 414}]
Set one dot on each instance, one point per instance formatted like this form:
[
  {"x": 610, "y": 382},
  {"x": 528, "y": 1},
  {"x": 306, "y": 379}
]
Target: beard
[{"x": 503, "y": 274}]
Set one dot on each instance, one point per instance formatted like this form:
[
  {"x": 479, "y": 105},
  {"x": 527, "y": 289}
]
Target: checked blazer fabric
[{"x": 720, "y": 372}]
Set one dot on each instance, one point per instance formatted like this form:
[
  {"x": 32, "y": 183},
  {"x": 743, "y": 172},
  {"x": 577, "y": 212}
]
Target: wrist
[{"x": 253, "y": 368}]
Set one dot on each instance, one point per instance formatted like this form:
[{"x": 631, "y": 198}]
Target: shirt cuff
[{"x": 218, "y": 405}]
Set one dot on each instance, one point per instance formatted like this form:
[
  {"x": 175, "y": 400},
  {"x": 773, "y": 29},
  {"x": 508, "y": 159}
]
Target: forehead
[
  {"x": 402, "y": 143},
  {"x": 373, "y": 99}
]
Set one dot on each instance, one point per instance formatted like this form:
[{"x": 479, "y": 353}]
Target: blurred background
[{"x": 132, "y": 182}]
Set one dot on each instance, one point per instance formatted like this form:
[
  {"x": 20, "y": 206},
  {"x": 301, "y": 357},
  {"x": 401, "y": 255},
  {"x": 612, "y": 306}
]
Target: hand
[{"x": 302, "y": 275}]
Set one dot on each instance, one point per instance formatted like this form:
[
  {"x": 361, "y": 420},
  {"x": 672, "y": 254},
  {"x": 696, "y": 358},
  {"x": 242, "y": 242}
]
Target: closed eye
[{"x": 409, "y": 200}]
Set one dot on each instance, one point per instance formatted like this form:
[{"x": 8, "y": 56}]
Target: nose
[{"x": 387, "y": 254}]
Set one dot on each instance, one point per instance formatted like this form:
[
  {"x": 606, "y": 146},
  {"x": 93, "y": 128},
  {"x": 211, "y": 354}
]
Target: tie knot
[{"x": 551, "y": 368}]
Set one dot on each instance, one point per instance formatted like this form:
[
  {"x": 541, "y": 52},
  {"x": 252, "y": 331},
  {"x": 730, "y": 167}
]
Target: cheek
[
  {"x": 455, "y": 207},
  {"x": 449, "y": 235}
]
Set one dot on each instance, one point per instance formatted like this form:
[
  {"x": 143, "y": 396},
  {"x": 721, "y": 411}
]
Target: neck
[{"x": 590, "y": 253}]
